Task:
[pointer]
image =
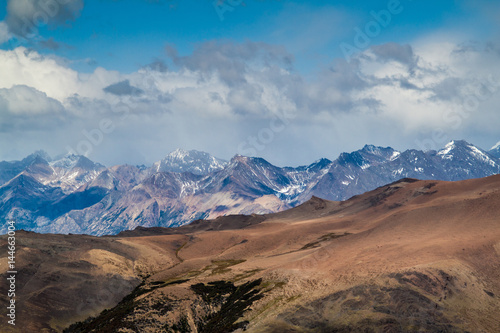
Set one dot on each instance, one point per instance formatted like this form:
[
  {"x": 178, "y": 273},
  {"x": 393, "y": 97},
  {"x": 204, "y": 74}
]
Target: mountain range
[{"x": 72, "y": 194}]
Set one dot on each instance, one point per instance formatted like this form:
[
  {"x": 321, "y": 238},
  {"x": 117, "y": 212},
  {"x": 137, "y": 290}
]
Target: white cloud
[
  {"x": 387, "y": 94},
  {"x": 27, "y": 101},
  {"x": 24, "y": 67}
]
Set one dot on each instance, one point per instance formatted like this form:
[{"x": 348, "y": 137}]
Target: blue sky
[
  {"x": 215, "y": 75},
  {"x": 125, "y": 35}
]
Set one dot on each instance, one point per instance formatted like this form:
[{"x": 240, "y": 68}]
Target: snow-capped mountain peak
[
  {"x": 461, "y": 157},
  {"x": 43, "y": 154},
  {"x": 482, "y": 155},
  {"x": 194, "y": 161},
  {"x": 445, "y": 152},
  {"x": 319, "y": 164},
  {"x": 71, "y": 161},
  {"x": 395, "y": 155},
  {"x": 495, "y": 150},
  {"x": 187, "y": 185},
  {"x": 181, "y": 154},
  {"x": 372, "y": 149},
  {"x": 65, "y": 162},
  {"x": 452, "y": 148},
  {"x": 374, "y": 154},
  {"x": 457, "y": 149}
]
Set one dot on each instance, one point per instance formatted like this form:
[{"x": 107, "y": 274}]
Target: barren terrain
[{"x": 409, "y": 256}]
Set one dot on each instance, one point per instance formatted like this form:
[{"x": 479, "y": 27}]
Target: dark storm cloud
[
  {"x": 24, "y": 17},
  {"x": 50, "y": 44},
  {"x": 470, "y": 46},
  {"x": 345, "y": 76},
  {"x": 157, "y": 65},
  {"x": 394, "y": 51},
  {"x": 448, "y": 89},
  {"x": 123, "y": 88},
  {"x": 230, "y": 60},
  {"x": 404, "y": 83}
]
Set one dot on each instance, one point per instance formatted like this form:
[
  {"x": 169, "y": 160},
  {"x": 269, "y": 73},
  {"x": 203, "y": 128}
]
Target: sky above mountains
[{"x": 129, "y": 81}]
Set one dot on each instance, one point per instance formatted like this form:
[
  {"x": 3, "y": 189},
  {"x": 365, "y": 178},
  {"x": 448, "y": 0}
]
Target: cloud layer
[{"x": 229, "y": 98}]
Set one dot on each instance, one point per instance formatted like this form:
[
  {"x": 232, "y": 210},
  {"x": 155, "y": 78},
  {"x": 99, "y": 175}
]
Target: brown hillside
[{"x": 409, "y": 256}]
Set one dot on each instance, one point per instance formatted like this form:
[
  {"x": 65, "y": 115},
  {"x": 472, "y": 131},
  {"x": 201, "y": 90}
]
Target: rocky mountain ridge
[{"x": 72, "y": 194}]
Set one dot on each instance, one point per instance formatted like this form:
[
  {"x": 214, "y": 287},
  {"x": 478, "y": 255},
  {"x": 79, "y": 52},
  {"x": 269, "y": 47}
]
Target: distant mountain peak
[
  {"x": 354, "y": 158},
  {"x": 321, "y": 163},
  {"x": 445, "y": 152},
  {"x": 39, "y": 159},
  {"x": 375, "y": 149},
  {"x": 457, "y": 144},
  {"x": 371, "y": 148},
  {"x": 241, "y": 158},
  {"x": 367, "y": 156},
  {"x": 70, "y": 161},
  {"x": 43, "y": 154},
  {"x": 248, "y": 162},
  {"x": 373, "y": 155},
  {"x": 182, "y": 153},
  {"x": 238, "y": 158},
  {"x": 67, "y": 161},
  {"x": 38, "y": 154},
  {"x": 496, "y": 146},
  {"x": 495, "y": 150},
  {"x": 194, "y": 161},
  {"x": 461, "y": 150}
]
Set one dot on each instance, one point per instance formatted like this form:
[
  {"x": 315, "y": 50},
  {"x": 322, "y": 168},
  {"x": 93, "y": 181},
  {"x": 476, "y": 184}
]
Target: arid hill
[{"x": 409, "y": 256}]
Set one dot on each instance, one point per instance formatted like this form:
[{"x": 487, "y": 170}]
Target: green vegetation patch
[
  {"x": 161, "y": 284},
  {"x": 226, "y": 304},
  {"x": 233, "y": 300}
]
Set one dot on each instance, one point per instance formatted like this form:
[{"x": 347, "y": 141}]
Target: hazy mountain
[
  {"x": 68, "y": 172},
  {"x": 495, "y": 150},
  {"x": 74, "y": 194},
  {"x": 193, "y": 161},
  {"x": 9, "y": 170},
  {"x": 25, "y": 199}
]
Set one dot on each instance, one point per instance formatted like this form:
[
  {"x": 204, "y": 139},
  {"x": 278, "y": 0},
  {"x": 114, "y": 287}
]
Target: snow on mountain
[
  {"x": 9, "y": 170},
  {"x": 23, "y": 197},
  {"x": 462, "y": 149},
  {"x": 445, "y": 152},
  {"x": 66, "y": 161},
  {"x": 302, "y": 180},
  {"x": 68, "y": 172},
  {"x": 41, "y": 153},
  {"x": 196, "y": 162},
  {"x": 74, "y": 194},
  {"x": 462, "y": 160},
  {"x": 495, "y": 150}
]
